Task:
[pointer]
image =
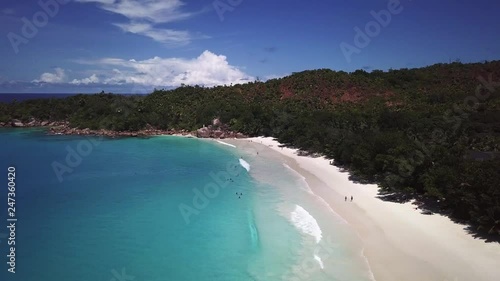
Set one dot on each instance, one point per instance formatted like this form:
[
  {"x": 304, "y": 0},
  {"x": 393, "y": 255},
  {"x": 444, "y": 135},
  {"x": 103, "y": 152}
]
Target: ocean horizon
[
  {"x": 10, "y": 97},
  {"x": 167, "y": 208}
]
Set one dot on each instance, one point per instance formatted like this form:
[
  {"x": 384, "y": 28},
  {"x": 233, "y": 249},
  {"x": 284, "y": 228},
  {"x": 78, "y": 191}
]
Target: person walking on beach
[
  {"x": 346, "y": 198},
  {"x": 351, "y": 198}
]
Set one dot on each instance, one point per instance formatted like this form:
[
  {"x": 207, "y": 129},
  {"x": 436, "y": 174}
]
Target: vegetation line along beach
[{"x": 398, "y": 128}]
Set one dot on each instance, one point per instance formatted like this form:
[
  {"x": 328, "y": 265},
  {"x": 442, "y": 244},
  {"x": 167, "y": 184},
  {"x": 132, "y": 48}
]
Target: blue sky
[{"x": 127, "y": 46}]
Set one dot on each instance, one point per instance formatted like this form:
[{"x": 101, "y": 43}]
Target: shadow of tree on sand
[{"x": 430, "y": 206}]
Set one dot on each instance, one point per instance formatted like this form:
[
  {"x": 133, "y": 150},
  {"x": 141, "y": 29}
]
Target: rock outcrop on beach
[
  {"x": 16, "y": 123},
  {"x": 67, "y": 130},
  {"x": 207, "y": 132},
  {"x": 217, "y": 130}
]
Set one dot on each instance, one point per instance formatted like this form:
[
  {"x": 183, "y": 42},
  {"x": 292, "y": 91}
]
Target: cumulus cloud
[
  {"x": 58, "y": 77},
  {"x": 89, "y": 80},
  {"x": 143, "y": 15},
  {"x": 208, "y": 69}
]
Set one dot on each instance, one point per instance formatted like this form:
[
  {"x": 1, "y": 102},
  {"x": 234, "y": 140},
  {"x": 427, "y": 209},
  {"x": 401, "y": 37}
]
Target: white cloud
[
  {"x": 89, "y": 80},
  {"x": 167, "y": 36},
  {"x": 157, "y": 11},
  {"x": 143, "y": 14},
  {"x": 208, "y": 69},
  {"x": 58, "y": 77}
]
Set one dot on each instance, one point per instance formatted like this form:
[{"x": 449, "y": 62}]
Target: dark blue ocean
[
  {"x": 22, "y": 97},
  {"x": 158, "y": 209},
  {"x": 7, "y": 98}
]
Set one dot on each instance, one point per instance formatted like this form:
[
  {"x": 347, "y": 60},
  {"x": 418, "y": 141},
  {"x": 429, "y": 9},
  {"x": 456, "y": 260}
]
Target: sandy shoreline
[{"x": 399, "y": 242}]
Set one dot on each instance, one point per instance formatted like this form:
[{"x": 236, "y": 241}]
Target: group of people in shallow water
[{"x": 351, "y": 198}]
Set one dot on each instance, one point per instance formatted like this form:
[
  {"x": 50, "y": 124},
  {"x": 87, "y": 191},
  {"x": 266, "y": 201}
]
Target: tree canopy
[{"x": 414, "y": 131}]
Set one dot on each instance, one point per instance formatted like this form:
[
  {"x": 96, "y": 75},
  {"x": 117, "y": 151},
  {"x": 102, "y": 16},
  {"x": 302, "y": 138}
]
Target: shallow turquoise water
[{"x": 116, "y": 212}]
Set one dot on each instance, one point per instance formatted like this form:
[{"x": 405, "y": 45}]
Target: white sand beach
[{"x": 399, "y": 242}]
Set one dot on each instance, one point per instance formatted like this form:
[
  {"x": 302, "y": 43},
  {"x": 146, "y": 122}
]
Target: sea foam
[
  {"x": 302, "y": 178},
  {"x": 225, "y": 143},
  {"x": 320, "y": 262},
  {"x": 306, "y": 223},
  {"x": 306, "y": 186},
  {"x": 245, "y": 164}
]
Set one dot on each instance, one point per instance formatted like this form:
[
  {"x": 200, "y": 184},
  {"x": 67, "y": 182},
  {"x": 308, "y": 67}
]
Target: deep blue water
[
  {"x": 21, "y": 97},
  {"x": 26, "y": 96}
]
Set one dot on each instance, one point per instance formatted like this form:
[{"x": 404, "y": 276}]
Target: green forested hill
[{"x": 432, "y": 131}]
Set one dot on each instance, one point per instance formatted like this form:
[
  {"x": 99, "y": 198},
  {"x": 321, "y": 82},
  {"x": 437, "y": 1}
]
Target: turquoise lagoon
[{"x": 165, "y": 208}]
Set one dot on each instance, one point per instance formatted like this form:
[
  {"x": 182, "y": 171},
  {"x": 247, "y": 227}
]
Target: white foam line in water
[
  {"x": 318, "y": 259},
  {"x": 225, "y": 143},
  {"x": 306, "y": 223},
  {"x": 245, "y": 164},
  {"x": 308, "y": 188},
  {"x": 372, "y": 277},
  {"x": 301, "y": 177}
]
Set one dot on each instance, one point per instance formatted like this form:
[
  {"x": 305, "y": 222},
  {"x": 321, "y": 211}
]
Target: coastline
[
  {"x": 400, "y": 243},
  {"x": 63, "y": 128}
]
